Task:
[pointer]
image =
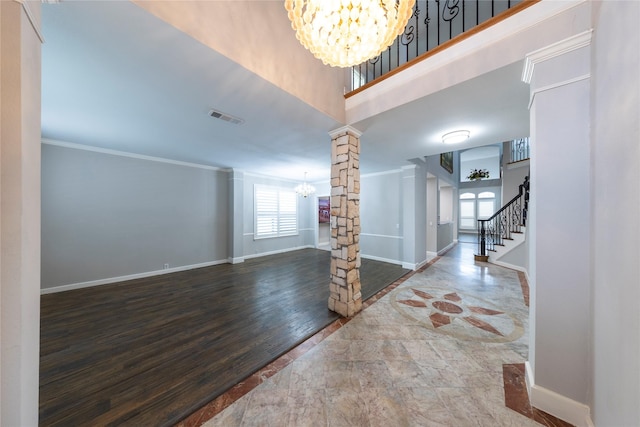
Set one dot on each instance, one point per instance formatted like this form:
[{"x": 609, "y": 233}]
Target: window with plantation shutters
[{"x": 276, "y": 212}]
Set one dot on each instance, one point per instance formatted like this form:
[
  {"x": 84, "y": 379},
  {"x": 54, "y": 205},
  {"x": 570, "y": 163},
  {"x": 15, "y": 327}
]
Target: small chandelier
[
  {"x": 305, "y": 189},
  {"x": 343, "y": 33}
]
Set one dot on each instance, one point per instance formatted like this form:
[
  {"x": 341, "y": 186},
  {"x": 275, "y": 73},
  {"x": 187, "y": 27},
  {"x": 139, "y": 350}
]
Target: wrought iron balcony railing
[
  {"x": 434, "y": 23},
  {"x": 519, "y": 149}
]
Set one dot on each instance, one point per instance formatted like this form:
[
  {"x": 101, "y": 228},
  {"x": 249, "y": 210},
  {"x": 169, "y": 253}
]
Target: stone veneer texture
[{"x": 345, "y": 297}]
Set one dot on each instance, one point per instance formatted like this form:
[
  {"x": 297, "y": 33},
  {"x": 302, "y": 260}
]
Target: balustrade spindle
[
  {"x": 433, "y": 23},
  {"x": 508, "y": 219}
]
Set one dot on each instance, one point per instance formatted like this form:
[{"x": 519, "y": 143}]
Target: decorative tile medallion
[{"x": 457, "y": 314}]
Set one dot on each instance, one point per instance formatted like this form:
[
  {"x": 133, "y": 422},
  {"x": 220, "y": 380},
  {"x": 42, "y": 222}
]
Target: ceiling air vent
[{"x": 226, "y": 117}]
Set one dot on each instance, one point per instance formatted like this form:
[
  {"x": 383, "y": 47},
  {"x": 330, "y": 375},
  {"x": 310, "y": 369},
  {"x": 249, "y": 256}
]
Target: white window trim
[{"x": 278, "y": 214}]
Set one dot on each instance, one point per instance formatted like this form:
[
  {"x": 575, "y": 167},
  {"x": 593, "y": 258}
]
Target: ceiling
[{"x": 116, "y": 77}]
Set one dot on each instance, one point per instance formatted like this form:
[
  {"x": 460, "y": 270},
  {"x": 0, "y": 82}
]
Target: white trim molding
[
  {"x": 446, "y": 248},
  {"x": 385, "y": 236},
  {"x": 110, "y": 280},
  {"x": 414, "y": 266},
  {"x": 278, "y": 251},
  {"x": 566, "y": 409},
  {"x": 131, "y": 155},
  {"x": 377, "y": 258},
  {"x": 344, "y": 130},
  {"x": 37, "y": 26},
  {"x": 510, "y": 266},
  {"x": 556, "y": 85},
  {"x": 368, "y": 175},
  {"x": 556, "y": 49}
]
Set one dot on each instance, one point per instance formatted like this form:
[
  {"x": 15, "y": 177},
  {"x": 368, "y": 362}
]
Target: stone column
[{"x": 345, "y": 297}]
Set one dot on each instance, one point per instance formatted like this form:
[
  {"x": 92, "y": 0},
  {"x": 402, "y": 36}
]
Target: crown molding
[
  {"x": 131, "y": 155},
  {"x": 554, "y": 50},
  {"x": 344, "y": 130},
  {"x": 35, "y": 24}
]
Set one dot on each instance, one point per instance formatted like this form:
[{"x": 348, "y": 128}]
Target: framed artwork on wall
[
  {"x": 446, "y": 161},
  {"x": 324, "y": 213}
]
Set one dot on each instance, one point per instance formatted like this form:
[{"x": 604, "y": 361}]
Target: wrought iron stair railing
[{"x": 507, "y": 220}]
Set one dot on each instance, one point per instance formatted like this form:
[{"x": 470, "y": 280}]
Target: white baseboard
[
  {"x": 109, "y": 280},
  {"x": 415, "y": 266},
  {"x": 528, "y": 377},
  {"x": 236, "y": 260},
  {"x": 324, "y": 246},
  {"x": 446, "y": 248},
  {"x": 279, "y": 251},
  {"x": 559, "y": 406},
  {"x": 511, "y": 266},
  {"x": 432, "y": 254},
  {"x": 377, "y": 258}
]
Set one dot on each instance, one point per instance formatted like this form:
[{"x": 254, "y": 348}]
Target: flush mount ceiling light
[
  {"x": 343, "y": 33},
  {"x": 455, "y": 136},
  {"x": 305, "y": 189}
]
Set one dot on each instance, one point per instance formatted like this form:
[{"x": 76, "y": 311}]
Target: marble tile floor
[{"x": 430, "y": 350}]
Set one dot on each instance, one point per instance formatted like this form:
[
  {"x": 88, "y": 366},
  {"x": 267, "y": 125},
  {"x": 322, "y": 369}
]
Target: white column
[
  {"x": 414, "y": 215},
  {"x": 559, "y": 228},
  {"x": 19, "y": 212},
  {"x": 236, "y": 217}
]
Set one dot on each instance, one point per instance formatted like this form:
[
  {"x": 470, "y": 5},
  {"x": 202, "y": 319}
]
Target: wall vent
[{"x": 226, "y": 117}]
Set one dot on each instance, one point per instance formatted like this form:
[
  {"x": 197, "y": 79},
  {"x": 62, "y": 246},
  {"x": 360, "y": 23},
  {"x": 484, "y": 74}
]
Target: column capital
[
  {"x": 345, "y": 130},
  {"x": 556, "y": 49}
]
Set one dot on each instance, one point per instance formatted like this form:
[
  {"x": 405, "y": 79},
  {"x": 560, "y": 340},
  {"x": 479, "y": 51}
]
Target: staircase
[{"x": 505, "y": 230}]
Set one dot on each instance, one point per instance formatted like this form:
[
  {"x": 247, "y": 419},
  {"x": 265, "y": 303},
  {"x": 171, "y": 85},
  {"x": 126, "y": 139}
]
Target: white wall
[
  {"x": 615, "y": 143},
  {"x": 19, "y": 212},
  {"x": 258, "y": 35}
]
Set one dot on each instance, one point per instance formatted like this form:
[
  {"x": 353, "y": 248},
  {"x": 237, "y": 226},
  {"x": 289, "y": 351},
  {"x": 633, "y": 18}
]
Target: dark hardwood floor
[{"x": 150, "y": 351}]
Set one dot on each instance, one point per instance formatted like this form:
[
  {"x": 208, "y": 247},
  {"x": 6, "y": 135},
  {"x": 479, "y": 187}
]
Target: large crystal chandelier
[{"x": 343, "y": 33}]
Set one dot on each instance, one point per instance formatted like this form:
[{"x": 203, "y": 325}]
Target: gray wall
[
  {"x": 381, "y": 216},
  {"x": 445, "y": 235},
  {"x": 106, "y": 216},
  {"x": 513, "y": 175},
  {"x": 615, "y": 143},
  {"x": 432, "y": 216},
  {"x": 307, "y": 228},
  {"x": 433, "y": 168}
]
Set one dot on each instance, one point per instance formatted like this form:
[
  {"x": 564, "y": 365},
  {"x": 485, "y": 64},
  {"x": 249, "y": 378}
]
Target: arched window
[{"x": 474, "y": 207}]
